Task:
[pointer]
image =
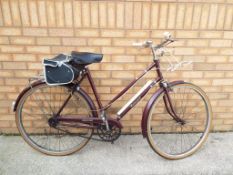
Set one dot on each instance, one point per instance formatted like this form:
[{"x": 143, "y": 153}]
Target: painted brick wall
[{"x": 34, "y": 29}]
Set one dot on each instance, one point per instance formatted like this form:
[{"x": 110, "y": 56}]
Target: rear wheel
[
  {"x": 34, "y": 119},
  {"x": 176, "y": 140}
]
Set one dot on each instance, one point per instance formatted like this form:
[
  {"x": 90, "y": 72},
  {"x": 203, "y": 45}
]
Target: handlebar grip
[{"x": 138, "y": 44}]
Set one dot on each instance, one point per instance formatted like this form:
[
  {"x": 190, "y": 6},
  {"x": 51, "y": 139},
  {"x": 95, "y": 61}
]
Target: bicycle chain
[{"x": 96, "y": 139}]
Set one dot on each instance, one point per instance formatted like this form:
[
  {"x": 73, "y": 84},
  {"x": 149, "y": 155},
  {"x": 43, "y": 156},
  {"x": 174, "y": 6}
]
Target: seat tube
[{"x": 90, "y": 79}]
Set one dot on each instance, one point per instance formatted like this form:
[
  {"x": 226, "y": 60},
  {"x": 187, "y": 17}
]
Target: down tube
[{"x": 136, "y": 98}]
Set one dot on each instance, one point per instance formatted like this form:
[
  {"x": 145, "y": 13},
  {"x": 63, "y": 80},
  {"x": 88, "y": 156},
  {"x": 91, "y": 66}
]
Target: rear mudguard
[
  {"x": 16, "y": 102},
  {"x": 150, "y": 104},
  {"x": 40, "y": 82}
]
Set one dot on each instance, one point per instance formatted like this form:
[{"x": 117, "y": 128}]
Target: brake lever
[{"x": 172, "y": 40}]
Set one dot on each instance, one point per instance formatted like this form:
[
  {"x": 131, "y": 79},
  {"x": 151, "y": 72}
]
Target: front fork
[{"x": 168, "y": 103}]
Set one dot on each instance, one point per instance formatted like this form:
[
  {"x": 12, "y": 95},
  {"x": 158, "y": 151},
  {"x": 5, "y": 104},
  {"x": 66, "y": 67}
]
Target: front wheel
[{"x": 172, "y": 139}]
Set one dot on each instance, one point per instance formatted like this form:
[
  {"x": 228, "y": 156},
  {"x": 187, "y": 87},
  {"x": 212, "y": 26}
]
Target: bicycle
[{"x": 56, "y": 116}]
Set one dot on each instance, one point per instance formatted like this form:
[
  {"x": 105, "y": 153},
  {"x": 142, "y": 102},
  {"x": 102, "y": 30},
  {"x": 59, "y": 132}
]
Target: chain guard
[{"x": 111, "y": 135}]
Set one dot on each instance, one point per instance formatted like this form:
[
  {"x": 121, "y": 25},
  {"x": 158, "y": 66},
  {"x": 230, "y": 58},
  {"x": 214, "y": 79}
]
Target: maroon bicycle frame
[{"x": 167, "y": 99}]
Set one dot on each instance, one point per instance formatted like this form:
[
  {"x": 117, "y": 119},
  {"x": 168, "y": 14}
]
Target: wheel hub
[{"x": 52, "y": 122}]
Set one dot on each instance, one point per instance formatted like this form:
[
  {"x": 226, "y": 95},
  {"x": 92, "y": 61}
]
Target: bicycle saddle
[{"x": 86, "y": 57}]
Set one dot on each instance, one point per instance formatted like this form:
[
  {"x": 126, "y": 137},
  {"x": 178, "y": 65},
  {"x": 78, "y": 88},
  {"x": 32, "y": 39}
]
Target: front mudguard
[
  {"x": 151, "y": 103},
  {"x": 40, "y": 82}
]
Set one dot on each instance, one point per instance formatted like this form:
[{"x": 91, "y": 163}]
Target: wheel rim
[
  {"x": 38, "y": 106},
  {"x": 171, "y": 139}
]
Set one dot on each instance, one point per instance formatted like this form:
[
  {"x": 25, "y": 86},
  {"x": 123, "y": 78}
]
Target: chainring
[{"x": 111, "y": 135}]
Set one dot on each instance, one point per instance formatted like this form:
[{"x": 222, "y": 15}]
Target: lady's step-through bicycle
[{"x": 56, "y": 116}]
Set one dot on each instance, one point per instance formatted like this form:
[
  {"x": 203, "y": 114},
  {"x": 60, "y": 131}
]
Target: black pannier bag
[{"x": 60, "y": 70}]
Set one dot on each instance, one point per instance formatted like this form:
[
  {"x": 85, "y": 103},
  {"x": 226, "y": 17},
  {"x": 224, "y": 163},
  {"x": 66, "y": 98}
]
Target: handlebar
[
  {"x": 149, "y": 43},
  {"x": 138, "y": 44},
  {"x": 145, "y": 44}
]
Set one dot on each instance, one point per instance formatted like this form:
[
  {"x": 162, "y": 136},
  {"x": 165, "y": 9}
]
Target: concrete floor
[{"x": 128, "y": 155}]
